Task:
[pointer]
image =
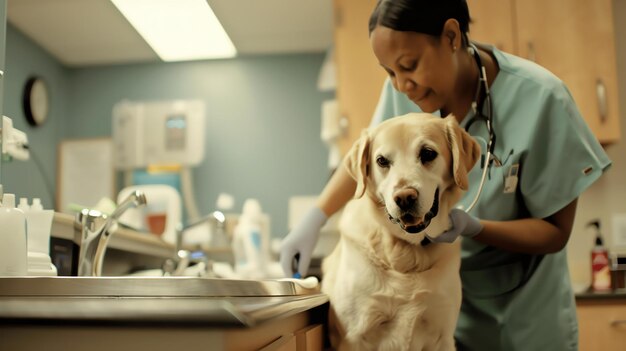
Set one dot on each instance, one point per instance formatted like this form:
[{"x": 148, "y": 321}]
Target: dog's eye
[
  {"x": 427, "y": 155},
  {"x": 382, "y": 162}
]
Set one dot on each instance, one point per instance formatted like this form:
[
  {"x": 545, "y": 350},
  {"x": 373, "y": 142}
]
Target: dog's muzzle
[{"x": 408, "y": 217}]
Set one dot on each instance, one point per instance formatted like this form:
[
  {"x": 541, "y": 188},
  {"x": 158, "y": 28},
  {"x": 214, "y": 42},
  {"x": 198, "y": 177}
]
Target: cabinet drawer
[{"x": 602, "y": 324}]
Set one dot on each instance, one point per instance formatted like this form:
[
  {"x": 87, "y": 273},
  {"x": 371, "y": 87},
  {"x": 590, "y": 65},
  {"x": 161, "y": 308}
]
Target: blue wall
[
  {"x": 263, "y": 120},
  {"x": 23, "y": 59}
]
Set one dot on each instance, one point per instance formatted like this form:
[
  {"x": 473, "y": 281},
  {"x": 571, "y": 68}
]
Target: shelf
[{"x": 122, "y": 239}]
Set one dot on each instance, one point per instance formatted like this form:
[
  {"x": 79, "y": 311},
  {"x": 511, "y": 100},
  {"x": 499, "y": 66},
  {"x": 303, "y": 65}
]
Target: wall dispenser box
[{"x": 158, "y": 132}]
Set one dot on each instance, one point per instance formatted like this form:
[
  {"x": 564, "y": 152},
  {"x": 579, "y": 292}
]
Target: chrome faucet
[
  {"x": 92, "y": 230},
  {"x": 184, "y": 257}
]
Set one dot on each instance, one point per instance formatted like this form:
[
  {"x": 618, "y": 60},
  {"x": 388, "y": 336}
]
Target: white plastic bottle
[
  {"x": 37, "y": 206},
  {"x": 248, "y": 242},
  {"x": 38, "y": 223},
  {"x": 23, "y": 205},
  {"x": 13, "y": 247}
]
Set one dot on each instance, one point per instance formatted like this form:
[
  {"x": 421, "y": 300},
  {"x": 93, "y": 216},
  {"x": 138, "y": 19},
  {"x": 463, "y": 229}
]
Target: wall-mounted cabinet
[
  {"x": 574, "y": 39},
  {"x": 359, "y": 76}
]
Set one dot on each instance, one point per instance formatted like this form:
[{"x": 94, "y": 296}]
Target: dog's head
[{"x": 415, "y": 166}]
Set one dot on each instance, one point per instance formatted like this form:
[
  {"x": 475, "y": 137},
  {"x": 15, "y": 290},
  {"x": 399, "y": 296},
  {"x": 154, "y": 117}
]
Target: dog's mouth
[{"x": 408, "y": 217}]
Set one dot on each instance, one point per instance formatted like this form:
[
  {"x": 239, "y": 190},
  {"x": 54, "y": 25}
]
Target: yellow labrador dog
[{"x": 389, "y": 287}]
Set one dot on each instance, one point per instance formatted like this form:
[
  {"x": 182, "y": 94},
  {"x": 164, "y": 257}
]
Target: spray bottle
[{"x": 600, "y": 271}]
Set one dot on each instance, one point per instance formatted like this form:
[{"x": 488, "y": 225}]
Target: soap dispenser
[
  {"x": 13, "y": 247},
  {"x": 600, "y": 270}
]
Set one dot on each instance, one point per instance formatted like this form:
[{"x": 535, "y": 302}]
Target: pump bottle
[{"x": 600, "y": 271}]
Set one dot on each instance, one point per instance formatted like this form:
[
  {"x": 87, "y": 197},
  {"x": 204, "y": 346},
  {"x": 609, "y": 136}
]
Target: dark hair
[{"x": 421, "y": 16}]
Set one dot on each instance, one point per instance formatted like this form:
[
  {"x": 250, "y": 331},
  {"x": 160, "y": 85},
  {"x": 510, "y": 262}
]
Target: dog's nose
[{"x": 405, "y": 198}]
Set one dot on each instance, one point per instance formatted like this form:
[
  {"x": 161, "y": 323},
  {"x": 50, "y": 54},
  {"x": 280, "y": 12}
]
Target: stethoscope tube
[
  {"x": 483, "y": 178},
  {"x": 482, "y": 83}
]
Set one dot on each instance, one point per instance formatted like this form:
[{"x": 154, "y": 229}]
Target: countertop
[
  {"x": 149, "y": 300},
  {"x": 601, "y": 295},
  {"x": 206, "y": 311},
  {"x": 156, "y": 314}
]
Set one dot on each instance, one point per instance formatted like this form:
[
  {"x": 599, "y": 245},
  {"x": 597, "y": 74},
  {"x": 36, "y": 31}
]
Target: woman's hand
[
  {"x": 301, "y": 241},
  {"x": 462, "y": 224}
]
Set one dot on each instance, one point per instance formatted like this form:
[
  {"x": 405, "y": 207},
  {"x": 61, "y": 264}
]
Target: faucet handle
[
  {"x": 90, "y": 220},
  {"x": 136, "y": 199}
]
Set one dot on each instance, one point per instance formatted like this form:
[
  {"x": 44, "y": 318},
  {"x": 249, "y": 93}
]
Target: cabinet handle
[
  {"x": 532, "y": 55},
  {"x": 602, "y": 104},
  {"x": 344, "y": 125},
  {"x": 618, "y": 322}
]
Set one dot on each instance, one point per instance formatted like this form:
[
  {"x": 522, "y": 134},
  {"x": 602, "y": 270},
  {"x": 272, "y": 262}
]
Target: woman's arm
[
  {"x": 531, "y": 235},
  {"x": 337, "y": 192}
]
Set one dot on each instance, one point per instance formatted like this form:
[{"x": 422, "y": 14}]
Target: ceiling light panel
[{"x": 178, "y": 30}]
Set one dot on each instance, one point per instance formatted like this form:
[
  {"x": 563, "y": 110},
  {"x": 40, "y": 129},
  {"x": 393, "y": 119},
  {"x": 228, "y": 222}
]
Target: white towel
[{"x": 306, "y": 283}]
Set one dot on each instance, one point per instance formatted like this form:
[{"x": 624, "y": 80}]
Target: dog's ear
[
  {"x": 357, "y": 162},
  {"x": 465, "y": 151}
]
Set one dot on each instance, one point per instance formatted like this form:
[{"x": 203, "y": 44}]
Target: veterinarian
[{"x": 517, "y": 293}]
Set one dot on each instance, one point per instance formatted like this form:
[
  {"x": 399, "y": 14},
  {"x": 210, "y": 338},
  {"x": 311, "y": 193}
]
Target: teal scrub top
[{"x": 514, "y": 301}]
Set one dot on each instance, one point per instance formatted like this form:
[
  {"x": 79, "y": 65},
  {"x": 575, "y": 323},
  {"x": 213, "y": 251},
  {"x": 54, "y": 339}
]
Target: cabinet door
[
  {"x": 602, "y": 325},
  {"x": 575, "y": 40},
  {"x": 359, "y": 76},
  {"x": 492, "y": 22}
]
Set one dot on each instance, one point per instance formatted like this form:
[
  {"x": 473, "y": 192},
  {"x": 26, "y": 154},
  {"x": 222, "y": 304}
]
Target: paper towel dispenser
[{"x": 158, "y": 132}]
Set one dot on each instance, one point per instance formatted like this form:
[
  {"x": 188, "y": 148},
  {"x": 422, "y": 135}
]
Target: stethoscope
[{"x": 477, "y": 109}]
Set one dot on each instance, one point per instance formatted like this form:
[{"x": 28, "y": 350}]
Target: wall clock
[{"x": 35, "y": 101}]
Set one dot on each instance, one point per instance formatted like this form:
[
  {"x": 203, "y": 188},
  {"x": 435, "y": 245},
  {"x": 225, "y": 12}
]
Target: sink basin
[
  {"x": 138, "y": 286},
  {"x": 152, "y": 300}
]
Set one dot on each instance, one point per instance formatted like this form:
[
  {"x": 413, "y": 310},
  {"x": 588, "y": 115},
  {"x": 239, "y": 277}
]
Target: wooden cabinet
[
  {"x": 359, "y": 76},
  {"x": 496, "y": 30},
  {"x": 602, "y": 324},
  {"x": 293, "y": 333},
  {"x": 574, "y": 39},
  {"x": 309, "y": 338}
]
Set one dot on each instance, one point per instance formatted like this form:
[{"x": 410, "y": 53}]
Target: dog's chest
[{"x": 367, "y": 286}]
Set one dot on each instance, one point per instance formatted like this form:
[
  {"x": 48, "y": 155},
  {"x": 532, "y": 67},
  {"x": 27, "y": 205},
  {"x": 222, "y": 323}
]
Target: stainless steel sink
[
  {"x": 161, "y": 300},
  {"x": 147, "y": 287}
]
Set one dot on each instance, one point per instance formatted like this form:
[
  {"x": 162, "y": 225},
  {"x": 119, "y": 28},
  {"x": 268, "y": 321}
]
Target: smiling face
[
  {"x": 421, "y": 66},
  {"x": 415, "y": 168},
  {"x": 410, "y": 168}
]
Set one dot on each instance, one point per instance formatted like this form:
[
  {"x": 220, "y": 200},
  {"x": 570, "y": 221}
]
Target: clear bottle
[
  {"x": 248, "y": 241},
  {"x": 13, "y": 243}
]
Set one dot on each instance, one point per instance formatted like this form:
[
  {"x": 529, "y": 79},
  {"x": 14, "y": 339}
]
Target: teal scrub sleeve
[{"x": 563, "y": 159}]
